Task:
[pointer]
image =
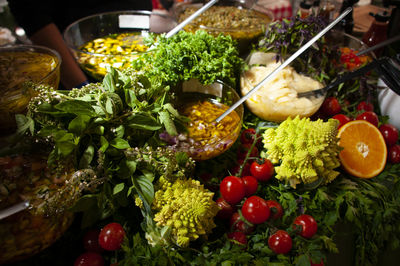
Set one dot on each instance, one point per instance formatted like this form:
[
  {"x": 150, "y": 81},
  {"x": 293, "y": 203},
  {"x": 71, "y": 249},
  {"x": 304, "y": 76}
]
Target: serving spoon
[
  {"x": 284, "y": 64},
  {"x": 190, "y": 18}
]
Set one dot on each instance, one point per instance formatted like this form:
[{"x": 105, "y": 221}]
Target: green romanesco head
[
  {"x": 304, "y": 150},
  {"x": 186, "y": 207}
]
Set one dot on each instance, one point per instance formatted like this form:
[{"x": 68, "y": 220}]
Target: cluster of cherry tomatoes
[
  {"x": 96, "y": 241},
  {"x": 244, "y": 210},
  {"x": 332, "y": 108}
]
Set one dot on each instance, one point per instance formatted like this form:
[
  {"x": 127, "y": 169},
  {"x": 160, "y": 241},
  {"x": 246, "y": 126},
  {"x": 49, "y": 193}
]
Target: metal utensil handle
[
  {"x": 190, "y": 18},
  {"x": 14, "y": 209},
  {"x": 285, "y": 63},
  {"x": 379, "y": 45},
  {"x": 344, "y": 77}
]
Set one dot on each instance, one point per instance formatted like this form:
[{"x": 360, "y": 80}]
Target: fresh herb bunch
[
  {"x": 287, "y": 36},
  {"x": 191, "y": 55}
]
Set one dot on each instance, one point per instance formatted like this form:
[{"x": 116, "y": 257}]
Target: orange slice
[{"x": 364, "y": 150}]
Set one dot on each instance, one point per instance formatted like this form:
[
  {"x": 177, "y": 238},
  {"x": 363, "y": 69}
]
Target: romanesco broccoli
[
  {"x": 305, "y": 150},
  {"x": 185, "y": 207}
]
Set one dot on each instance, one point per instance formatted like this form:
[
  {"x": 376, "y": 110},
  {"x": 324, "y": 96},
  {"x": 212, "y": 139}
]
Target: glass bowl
[
  {"x": 26, "y": 177},
  {"x": 245, "y": 21},
  {"x": 113, "y": 38},
  {"x": 19, "y": 65},
  {"x": 203, "y": 104},
  {"x": 277, "y": 99}
]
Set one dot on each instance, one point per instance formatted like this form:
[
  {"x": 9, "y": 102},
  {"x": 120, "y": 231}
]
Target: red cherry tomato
[
  {"x": 111, "y": 236},
  {"x": 306, "y": 225},
  {"x": 280, "y": 242},
  {"x": 91, "y": 241},
  {"x": 255, "y": 210},
  {"x": 250, "y": 185},
  {"x": 262, "y": 170},
  {"x": 365, "y": 106},
  {"x": 390, "y": 133},
  {"x": 246, "y": 168},
  {"x": 343, "y": 119},
  {"x": 331, "y": 106},
  {"x": 238, "y": 237},
  {"x": 89, "y": 259},
  {"x": 237, "y": 224},
  {"x": 244, "y": 150},
  {"x": 394, "y": 154},
  {"x": 232, "y": 189},
  {"x": 321, "y": 263},
  {"x": 248, "y": 136},
  {"x": 370, "y": 117},
  {"x": 276, "y": 210},
  {"x": 226, "y": 210}
]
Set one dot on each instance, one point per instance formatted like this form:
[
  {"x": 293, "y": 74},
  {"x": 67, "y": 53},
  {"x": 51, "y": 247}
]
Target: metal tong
[{"x": 387, "y": 68}]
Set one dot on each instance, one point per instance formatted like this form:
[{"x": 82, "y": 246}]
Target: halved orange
[{"x": 364, "y": 149}]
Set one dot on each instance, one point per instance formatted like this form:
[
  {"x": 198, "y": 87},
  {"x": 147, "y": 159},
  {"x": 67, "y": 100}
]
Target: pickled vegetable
[
  {"x": 116, "y": 50},
  {"x": 209, "y": 136}
]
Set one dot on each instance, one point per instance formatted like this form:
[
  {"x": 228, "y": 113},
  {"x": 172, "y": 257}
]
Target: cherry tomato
[
  {"x": 365, "y": 106},
  {"x": 394, "y": 154},
  {"x": 238, "y": 237},
  {"x": 255, "y": 210},
  {"x": 248, "y": 136},
  {"x": 232, "y": 189},
  {"x": 321, "y": 263},
  {"x": 343, "y": 119},
  {"x": 244, "y": 150},
  {"x": 331, "y": 106},
  {"x": 370, "y": 117},
  {"x": 280, "y": 242},
  {"x": 262, "y": 170},
  {"x": 250, "y": 185},
  {"x": 226, "y": 210},
  {"x": 91, "y": 241},
  {"x": 237, "y": 224},
  {"x": 89, "y": 259},
  {"x": 390, "y": 133},
  {"x": 306, "y": 225},
  {"x": 111, "y": 236},
  {"x": 276, "y": 210},
  {"x": 246, "y": 168}
]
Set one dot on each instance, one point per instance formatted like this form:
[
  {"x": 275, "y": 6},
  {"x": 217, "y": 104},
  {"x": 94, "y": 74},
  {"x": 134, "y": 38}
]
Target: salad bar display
[{"x": 137, "y": 171}]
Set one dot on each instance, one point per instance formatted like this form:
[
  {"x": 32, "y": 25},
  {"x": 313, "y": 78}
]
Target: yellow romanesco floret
[
  {"x": 305, "y": 150},
  {"x": 186, "y": 207}
]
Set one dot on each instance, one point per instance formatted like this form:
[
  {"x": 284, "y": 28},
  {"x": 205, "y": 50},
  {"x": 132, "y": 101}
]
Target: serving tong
[{"x": 387, "y": 68}]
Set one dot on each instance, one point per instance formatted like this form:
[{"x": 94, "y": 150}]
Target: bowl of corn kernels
[
  {"x": 113, "y": 39},
  {"x": 204, "y": 137}
]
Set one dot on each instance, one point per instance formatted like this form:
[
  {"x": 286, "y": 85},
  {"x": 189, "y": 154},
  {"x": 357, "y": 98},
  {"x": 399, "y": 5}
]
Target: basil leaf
[
  {"x": 77, "y": 107},
  {"x": 143, "y": 121},
  {"x": 104, "y": 144},
  {"x": 108, "y": 81},
  {"x": 120, "y": 144},
  {"x": 130, "y": 98},
  {"x": 169, "y": 125},
  {"x": 147, "y": 189},
  {"x": 118, "y": 188},
  {"x": 87, "y": 157},
  {"x": 79, "y": 124},
  {"x": 84, "y": 203}
]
